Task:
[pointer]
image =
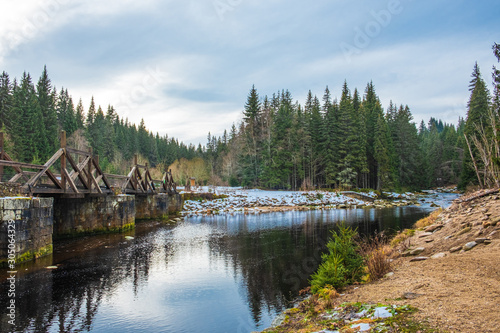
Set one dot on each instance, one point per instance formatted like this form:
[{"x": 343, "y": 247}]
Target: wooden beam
[
  {"x": 54, "y": 179},
  {"x": 16, "y": 177},
  {"x": 63, "y": 160},
  {"x": 104, "y": 179},
  {"x": 110, "y": 175},
  {"x": 78, "y": 152},
  {"x": 93, "y": 180},
  {"x": 129, "y": 180},
  {"x": 77, "y": 170},
  {"x": 89, "y": 172},
  {"x": 2, "y": 149},
  {"x": 21, "y": 165},
  {"x": 6, "y": 157},
  {"x": 70, "y": 181},
  {"x": 46, "y": 167}
]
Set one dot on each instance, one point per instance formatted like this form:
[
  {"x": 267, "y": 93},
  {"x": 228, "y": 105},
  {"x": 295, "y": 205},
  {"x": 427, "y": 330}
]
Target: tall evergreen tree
[
  {"x": 27, "y": 129},
  {"x": 79, "y": 116},
  {"x": 5, "y": 99},
  {"x": 477, "y": 116},
  {"x": 46, "y": 103},
  {"x": 373, "y": 111},
  {"x": 250, "y": 154}
]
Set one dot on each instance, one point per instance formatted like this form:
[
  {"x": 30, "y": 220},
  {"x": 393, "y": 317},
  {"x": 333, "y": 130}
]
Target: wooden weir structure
[{"x": 79, "y": 175}]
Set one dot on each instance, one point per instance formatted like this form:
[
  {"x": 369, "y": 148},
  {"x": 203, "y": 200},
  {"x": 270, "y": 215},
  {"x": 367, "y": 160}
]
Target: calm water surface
[{"x": 205, "y": 274}]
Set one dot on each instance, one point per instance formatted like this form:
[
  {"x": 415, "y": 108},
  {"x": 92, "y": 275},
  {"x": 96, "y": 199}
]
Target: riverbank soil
[{"x": 456, "y": 289}]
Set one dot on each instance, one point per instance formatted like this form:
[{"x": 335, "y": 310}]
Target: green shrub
[{"x": 342, "y": 265}]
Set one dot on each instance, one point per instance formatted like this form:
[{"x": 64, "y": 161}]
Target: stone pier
[
  {"x": 36, "y": 221},
  {"x": 158, "y": 206},
  {"x": 93, "y": 215},
  {"x": 30, "y": 221}
]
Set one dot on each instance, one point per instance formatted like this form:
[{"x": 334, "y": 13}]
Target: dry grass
[
  {"x": 429, "y": 220},
  {"x": 377, "y": 253},
  {"x": 401, "y": 237}
]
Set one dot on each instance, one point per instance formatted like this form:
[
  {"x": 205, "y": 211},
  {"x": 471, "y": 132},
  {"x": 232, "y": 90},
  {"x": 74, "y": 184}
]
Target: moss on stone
[{"x": 30, "y": 255}]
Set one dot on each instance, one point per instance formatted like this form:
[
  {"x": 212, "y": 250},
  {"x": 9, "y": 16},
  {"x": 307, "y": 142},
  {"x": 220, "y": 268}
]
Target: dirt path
[{"x": 459, "y": 292}]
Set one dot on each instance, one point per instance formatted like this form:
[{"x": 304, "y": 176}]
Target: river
[{"x": 230, "y": 273}]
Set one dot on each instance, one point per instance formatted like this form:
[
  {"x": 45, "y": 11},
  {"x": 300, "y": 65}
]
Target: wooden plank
[
  {"x": 110, "y": 175},
  {"x": 140, "y": 181},
  {"x": 2, "y": 149},
  {"x": 54, "y": 179},
  {"x": 104, "y": 179},
  {"x": 70, "y": 181},
  {"x": 46, "y": 190},
  {"x": 64, "y": 172},
  {"x": 77, "y": 170},
  {"x": 46, "y": 167},
  {"x": 6, "y": 157},
  {"x": 150, "y": 181},
  {"x": 93, "y": 180},
  {"x": 21, "y": 165},
  {"x": 129, "y": 180},
  {"x": 16, "y": 177},
  {"x": 78, "y": 152}
]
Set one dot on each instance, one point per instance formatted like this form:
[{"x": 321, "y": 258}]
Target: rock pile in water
[{"x": 259, "y": 201}]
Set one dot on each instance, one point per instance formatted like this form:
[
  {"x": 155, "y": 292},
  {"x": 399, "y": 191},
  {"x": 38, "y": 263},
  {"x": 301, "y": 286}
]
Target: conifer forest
[{"x": 280, "y": 143}]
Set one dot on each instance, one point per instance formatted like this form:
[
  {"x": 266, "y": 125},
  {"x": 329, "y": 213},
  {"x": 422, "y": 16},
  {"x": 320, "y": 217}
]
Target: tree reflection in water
[{"x": 266, "y": 258}]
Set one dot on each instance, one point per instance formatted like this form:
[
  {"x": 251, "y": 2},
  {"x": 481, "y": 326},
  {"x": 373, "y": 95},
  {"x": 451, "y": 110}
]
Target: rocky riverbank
[{"x": 445, "y": 278}]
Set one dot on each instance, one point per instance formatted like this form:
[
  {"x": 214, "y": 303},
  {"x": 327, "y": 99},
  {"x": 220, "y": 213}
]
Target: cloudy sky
[{"x": 186, "y": 67}]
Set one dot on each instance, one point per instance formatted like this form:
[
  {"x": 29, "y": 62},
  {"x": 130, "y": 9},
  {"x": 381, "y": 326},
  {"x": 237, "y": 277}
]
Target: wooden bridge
[{"x": 76, "y": 173}]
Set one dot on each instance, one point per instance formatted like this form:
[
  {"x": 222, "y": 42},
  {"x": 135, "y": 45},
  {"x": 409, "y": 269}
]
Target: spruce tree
[
  {"x": 5, "y": 99},
  {"x": 46, "y": 103},
  {"x": 477, "y": 116},
  {"x": 27, "y": 129},
  {"x": 79, "y": 116},
  {"x": 250, "y": 153},
  {"x": 382, "y": 154},
  {"x": 373, "y": 111}
]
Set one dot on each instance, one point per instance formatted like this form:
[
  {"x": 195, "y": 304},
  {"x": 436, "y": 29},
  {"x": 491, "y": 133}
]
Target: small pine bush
[{"x": 342, "y": 265}]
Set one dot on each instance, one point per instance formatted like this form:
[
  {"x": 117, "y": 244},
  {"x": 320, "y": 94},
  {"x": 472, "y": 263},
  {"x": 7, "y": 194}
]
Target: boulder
[
  {"x": 433, "y": 227},
  {"x": 481, "y": 240},
  {"x": 419, "y": 259},
  {"x": 455, "y": 249},
  {"x": 417, "y": 251},
  {"x": 463, "y": 231},
  {"x": 469, "y": 246},
  {"x": 425, "y": 234},
  {"x": 438, "y": 255}
]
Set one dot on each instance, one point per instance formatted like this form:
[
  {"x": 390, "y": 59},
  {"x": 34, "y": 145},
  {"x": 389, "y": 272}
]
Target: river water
[{"x": 229, "y": 273}]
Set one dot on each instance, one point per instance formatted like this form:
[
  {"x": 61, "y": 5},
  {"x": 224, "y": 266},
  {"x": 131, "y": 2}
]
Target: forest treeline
[
  {"x": 32, "y": 117},
  {"x": 351, "y": 142},
  {"x": 346, "y": 143},
  {"x": 354, "y": 143}
]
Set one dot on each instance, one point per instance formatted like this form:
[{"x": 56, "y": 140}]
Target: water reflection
[{"x": 206, "y": 274}]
